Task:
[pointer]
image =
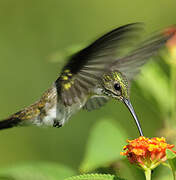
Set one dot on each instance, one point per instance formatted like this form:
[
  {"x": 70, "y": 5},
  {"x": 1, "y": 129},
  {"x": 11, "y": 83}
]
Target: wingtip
[{"x": 136, "y": 25}]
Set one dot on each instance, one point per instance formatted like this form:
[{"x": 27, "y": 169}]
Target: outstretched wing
[
  {"x": 84, "y": 69},
  {"x": 95, "y": 102},
  {"x": 130, "y": 65}
]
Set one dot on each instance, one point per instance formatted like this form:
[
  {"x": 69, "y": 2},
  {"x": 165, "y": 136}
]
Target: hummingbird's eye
[{"x": 117, "y": 87}]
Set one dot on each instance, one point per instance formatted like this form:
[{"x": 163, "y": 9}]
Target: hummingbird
[{"x": 91, "y": 77}]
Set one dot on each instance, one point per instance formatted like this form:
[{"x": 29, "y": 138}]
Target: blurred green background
[{"x": 32, "y": 32}]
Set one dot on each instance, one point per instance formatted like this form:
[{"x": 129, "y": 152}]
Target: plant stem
[
  {"x": 173, "y": 84},
  {"x": 172, "y": 167},
  {"x": 148, "y": 174}
]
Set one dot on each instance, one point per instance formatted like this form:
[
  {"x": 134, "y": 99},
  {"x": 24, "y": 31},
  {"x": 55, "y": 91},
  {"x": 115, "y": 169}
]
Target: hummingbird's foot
[{"x": 57, "y": 124}]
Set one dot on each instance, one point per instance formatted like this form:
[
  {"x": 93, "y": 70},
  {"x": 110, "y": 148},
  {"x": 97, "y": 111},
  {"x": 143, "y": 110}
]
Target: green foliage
[
  {"x": 36, "y": 171},
  {"x": 156, "y": 80},
  {"x": 104, "y": 145},
  {"x": 30, "y": 32},
  {"x": 172, "y": 161},
  {"x": 170, "y": 154},
  {"x": 95, "y": 177}
]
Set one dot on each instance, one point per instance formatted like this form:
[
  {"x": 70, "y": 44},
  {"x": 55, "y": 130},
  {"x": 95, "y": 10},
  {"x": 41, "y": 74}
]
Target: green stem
[
  {"x": 172, "y": 167},
  {"x": 148, "y": 174},
  {"x": 173, "y": 91}
]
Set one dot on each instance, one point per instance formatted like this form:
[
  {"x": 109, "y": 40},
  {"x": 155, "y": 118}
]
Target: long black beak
[{"x": 130, "y": 107}]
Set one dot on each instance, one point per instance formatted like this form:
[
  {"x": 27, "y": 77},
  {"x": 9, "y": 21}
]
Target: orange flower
[
  {"x": 147, "y": 153},
  {"x": 171, "y": 43}
]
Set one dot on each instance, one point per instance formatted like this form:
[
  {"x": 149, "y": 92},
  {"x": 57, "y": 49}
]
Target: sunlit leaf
[
  {"x": 155, "y": 82},
  {"x": 95, "y": 177},
  {"x": 172, "y": 161},
  {"x": 170, "y": 154},
  {"x": 104, "y": 145}
]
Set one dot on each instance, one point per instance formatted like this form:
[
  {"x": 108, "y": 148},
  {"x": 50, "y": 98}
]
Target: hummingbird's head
[{"x": 115, "y": 85}]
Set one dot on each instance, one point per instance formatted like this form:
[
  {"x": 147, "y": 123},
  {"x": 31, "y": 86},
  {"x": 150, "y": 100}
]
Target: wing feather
[
  {"x": 84, "y": 69},
  {"x": 95, "y": 102},
  {"x": 130, "y": 65}
]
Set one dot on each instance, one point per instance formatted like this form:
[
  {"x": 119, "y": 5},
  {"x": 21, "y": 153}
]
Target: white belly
[
  {"x": 56, "y": 112},
  {"x": 48, "y": 120},
  {"x": 59, "y": 113}
]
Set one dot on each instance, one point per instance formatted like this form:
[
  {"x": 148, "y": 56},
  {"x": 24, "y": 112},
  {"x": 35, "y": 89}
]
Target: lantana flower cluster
[
  {"x": 147, "y": 153},
  {"x": 171, "y": 43}
]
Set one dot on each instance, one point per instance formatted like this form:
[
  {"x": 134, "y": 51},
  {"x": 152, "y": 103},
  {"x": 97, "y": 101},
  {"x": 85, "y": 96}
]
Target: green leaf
[
  {"x": 104, "y": 145},
  {"x": 170, "y": 154},
  {"x": 151, "y": 81},
  {"x": 172, "y": 161},
  {"x": 95, "y": 177},
  {"x": 36, "y": 171}
]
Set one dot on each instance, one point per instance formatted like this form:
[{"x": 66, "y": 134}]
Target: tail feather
[{"x": 9, "y": 123}]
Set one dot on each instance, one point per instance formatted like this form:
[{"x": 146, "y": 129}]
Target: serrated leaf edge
[{"x": 91, "y": 176}]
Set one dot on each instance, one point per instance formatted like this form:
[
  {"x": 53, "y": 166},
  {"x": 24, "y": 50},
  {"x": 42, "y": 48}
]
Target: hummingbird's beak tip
[{"x": 130, "y": 107}]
